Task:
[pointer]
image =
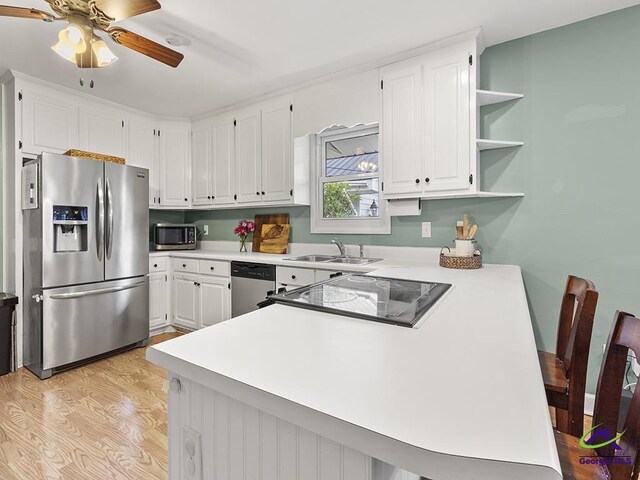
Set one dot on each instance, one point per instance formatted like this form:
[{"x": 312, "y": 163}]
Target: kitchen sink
[
  {"x": 312, "y": 258},
  {"x": 354, "y": 260},
  {"x": 333, "y": 259}
]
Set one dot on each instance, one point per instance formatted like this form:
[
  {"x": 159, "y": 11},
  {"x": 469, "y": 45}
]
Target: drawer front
[
  {"x": 157, "y": 264},
  {"x": 294, "y": 276},
  {"x": 215, "y": 267},
  {"x": 184, "y": 265},
  {"x": 322, "y": 275}
]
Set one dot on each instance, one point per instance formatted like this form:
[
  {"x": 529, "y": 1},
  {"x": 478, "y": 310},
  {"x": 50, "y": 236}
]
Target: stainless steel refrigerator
[{"x": 86, "y": 251}]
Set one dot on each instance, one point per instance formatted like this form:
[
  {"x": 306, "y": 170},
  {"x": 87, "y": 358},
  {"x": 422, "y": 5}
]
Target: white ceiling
[{"x": 241, "y": 49}]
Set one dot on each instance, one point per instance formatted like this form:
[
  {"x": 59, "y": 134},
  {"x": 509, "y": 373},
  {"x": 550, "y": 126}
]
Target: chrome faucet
[
  {"x": 361, "y": 245},
  {"x": 340, "y": 246}
]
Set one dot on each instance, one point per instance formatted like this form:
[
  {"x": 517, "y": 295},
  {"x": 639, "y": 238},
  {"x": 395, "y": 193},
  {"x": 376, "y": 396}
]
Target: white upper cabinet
[
  {"x": 277, "y": 151},
  {"x": 102, "y": 130},
  {"x": 426, "y": 120},
  {"x": 223, "y": 159},
  {"x": 49, "y": 121},
  {"x": 447, "y": 117},
  {"x": 402, "y": 127},
  {"x": 248, "y": 151},
  {"x": 174, "y": 164},
  {"x": 142, "y": 151},
  {"x": 201, "y": 164}
]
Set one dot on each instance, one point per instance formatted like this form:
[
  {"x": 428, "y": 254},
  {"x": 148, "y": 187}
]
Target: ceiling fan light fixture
[
  {"x": 65, "y": 51},
  {"x": 73, "y": 37},
  {"x": 103, "y": 53}
]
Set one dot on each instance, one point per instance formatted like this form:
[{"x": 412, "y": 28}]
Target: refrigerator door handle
[
  {"x": 100, "y": 220},
  {"x": 109, "y": 220},
  {"x": 64, "y": 296}
]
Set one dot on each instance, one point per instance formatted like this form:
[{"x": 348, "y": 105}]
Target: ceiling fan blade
[
  {"x": 145, "y": 46},
  {"x": 33, "y": 13},
  {"x": 121, "y": 9}
]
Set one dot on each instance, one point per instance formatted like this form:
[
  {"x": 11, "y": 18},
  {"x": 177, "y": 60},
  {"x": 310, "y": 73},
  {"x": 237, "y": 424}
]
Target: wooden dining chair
[
  {"x": 611, "y": 461},
  {"x": 565, "y": 371}
]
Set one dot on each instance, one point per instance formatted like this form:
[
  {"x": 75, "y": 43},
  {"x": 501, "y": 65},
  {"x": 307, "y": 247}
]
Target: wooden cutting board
[{"x": 260, "y": 220}]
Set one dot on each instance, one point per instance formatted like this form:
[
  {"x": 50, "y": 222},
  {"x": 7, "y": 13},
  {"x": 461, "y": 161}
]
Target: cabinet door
[
  {"x": 201, "y": 175},
  {"x": 143, "y": 152},
  {"x": 223, "y": 152},
  {"x": 277, "y": 151},
  {"x": 214, "y": 303},
  {"x": 248, "y": 156},
  {"x": 447, "y": 118},
  {"x": 49, "y": 124},
  {"x": 157, "y": 300},
  {"x": 402, "y": 129},
  {"x": 102, "y": 130},
  {"x": 174, "y": 165},
  {"x": 185, "y": 300}
]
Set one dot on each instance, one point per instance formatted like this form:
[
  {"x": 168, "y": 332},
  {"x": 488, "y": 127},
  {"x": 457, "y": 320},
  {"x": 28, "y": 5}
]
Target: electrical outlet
[
  {"x": 191, "y": 455},
  {"x": 205, "y": 229},
  {"x": 426, "y": 229}
]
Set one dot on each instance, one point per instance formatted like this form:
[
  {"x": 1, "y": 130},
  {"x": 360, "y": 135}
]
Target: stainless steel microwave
[{"x": 171, "y": 236}]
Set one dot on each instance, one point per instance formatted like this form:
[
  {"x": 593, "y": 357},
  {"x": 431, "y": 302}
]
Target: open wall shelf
[
  {"x": 487, "y": 97},
  {"x": 484, "y": 144}
]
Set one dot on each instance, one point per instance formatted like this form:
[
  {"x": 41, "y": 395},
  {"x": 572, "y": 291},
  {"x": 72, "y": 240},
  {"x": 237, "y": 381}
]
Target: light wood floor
[{"x": 106, "y": 420}]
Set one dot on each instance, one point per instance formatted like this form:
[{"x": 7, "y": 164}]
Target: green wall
[{"x": 579, "y": 169}]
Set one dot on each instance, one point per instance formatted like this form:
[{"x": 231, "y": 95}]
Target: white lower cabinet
[
  {"x": 214, "y": 304},
  {"x": 158, "y": 317},
  {"x": 185, "y": 300},
  {"x": 200, "y": 300}
]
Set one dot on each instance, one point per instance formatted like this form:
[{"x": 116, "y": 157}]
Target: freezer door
[
  {"x": 126, "y": 221},
  {"x": 83, "y": 321},
  {"x": 72, "y": 193}
]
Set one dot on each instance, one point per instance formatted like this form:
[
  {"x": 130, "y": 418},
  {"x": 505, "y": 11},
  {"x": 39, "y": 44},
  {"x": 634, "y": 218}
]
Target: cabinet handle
[
  {"x": 293, "y": 277},
  {"x": 155, "y": 265},
  {"x": 184, "y": 265},
  {"x": 186, "y": 200},
  {"x": 257, "y": 193},
  {"x": 212, "y": 268},
  {"x": 427, "y": 179},
  {"x": 213, "y": 197},
  {"x": 262, "y": 193},
  {"x": 417, "y": 180},
  {"x": 208, "y": 197}
]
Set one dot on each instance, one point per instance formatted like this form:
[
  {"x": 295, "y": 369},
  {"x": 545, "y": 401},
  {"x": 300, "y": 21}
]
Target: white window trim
[{"x": 380, "y": 225}]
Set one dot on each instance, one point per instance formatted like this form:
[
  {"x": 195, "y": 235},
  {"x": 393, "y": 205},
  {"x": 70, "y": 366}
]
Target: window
[{"x": 347, "y": 191}]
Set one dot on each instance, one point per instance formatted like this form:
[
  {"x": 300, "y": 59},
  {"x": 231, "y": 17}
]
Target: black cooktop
[{"x": 381, "y": 299}]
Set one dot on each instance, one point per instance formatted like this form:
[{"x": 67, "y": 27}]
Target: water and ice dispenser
[{"x": 70, "y": 225}]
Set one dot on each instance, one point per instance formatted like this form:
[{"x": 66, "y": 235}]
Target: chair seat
[
  {"x": 569, "y": 451},
  {"x": 553, "y": 373}
]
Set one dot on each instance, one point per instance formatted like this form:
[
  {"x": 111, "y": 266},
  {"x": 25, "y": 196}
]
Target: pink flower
[{"x": 244, "y": 228}]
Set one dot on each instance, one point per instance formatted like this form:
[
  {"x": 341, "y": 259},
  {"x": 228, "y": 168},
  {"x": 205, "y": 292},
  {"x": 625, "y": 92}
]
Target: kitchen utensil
[
  {"x": 472, "y": 232},
  {"x": 465, "y": 226}
]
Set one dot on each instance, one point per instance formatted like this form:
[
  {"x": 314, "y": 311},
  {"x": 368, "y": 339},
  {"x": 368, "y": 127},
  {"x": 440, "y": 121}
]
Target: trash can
[{"x": 8, "y": 304}]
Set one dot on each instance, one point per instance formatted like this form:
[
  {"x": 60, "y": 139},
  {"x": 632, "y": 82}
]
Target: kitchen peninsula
[{"x": 286, "y": 393}]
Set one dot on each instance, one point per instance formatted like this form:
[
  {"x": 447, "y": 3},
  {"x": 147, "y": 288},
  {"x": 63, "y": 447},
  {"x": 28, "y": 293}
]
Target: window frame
[{"x": 380, "y": 225}]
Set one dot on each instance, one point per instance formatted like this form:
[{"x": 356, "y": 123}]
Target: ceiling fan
[{"x": 78, "y": 42}]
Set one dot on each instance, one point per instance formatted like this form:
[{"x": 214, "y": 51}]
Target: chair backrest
[
  {"x": 575, "y": 325},
  {"x": 625, "y": 335}
]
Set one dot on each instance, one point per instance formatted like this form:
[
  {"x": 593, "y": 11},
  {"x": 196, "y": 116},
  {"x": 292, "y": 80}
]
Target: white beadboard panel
[
  {"x": 236, "y": 440},
  {"x": 220, "y": 446},
  {"x": 330, "y": 459},
  {"x": 251, "y": 443},
  {"x": 269, "y": 446},
  {"x": 240, "y": 442},
  {"x": 308, "y": 455}
]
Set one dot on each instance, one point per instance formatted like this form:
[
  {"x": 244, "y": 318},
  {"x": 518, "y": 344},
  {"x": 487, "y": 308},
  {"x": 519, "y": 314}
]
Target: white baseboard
[{"x": 589, "y": 402}]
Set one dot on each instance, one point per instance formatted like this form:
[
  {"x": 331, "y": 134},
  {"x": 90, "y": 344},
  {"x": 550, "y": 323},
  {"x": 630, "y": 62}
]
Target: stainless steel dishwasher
[{"x": 250, "y": 283}]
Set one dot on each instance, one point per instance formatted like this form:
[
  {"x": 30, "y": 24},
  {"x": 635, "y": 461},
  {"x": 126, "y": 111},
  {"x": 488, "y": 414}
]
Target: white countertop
[{"x": 459, "y": 397}]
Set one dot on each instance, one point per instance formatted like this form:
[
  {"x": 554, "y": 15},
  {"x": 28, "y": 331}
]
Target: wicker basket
[
  {"x": 461, "y": 263},
  {"x": 94, "y": 156}
]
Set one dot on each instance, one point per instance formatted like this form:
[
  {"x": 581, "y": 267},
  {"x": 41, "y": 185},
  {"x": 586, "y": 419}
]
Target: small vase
[{"x": 243, "y": 244}]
